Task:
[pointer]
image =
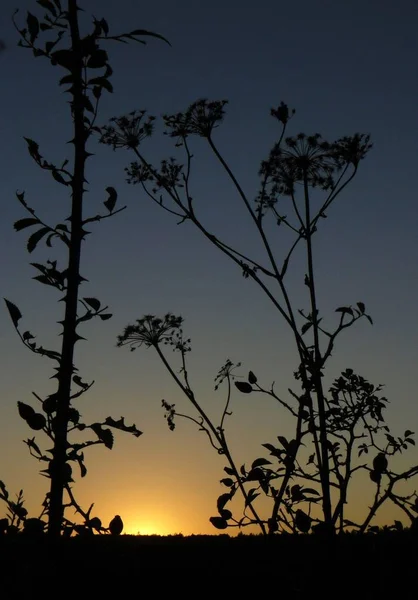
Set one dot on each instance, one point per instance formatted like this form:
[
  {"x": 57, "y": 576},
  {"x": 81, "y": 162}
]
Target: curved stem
[{"x": 217, "y": 433}]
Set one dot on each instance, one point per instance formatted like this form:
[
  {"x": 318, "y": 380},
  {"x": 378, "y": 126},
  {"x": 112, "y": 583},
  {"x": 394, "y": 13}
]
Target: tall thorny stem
[
  {"x": 65, "y": 371},
  {"x": 87, "y": 74}
]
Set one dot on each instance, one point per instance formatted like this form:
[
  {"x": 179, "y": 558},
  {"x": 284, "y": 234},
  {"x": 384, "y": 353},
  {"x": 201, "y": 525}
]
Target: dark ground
[{"x": 383, "y": 565}]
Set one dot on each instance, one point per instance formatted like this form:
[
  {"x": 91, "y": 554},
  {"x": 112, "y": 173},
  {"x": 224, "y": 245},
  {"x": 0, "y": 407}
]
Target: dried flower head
[
  {"x": 199, "y": 119},
  {"x": 152, "y": 331},
  {"x": 128, "y": 131}
]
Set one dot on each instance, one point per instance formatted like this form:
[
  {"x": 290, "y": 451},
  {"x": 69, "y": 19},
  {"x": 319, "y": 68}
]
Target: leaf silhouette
[
  {"x": 93, "y": 302},
  {"x": 23, "y": 223},
  {"x": 37, "y": 421},
  {"x": 36, "y": 237},
  {"x": 244, "y": 387},
  {"x": 104, "y": 435},
  {"x": 149, "y": 34},
  {"x": 116, "y": 525},
  {"x": 222, "y": 500},
  {"x": 121, "y": 425},
  {"x": 33, "y": 26},
  {"x": 260, "y": 462},
  {"x": 25, "y": 411},
  {"x": 111, "y": 201},
  {"x": 14, "y": 312},
  {"x": 218, "y": 522},
  {"x": 252, "y": 378}
]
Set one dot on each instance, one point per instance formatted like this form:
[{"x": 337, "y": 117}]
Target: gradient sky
[{"x": 345, "y": 67}]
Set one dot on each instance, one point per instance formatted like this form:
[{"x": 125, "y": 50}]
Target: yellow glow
[
  {"x": 143, "y": 528},
  {"x": 153, "y": 525}
]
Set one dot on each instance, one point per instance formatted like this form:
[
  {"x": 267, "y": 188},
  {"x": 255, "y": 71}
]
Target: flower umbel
[
  {"x": 128, "y": 131},
  {"x": 151, "y": 331},
  {"x": 302, "y": 157},
  {"x": 200, "y": 119}
]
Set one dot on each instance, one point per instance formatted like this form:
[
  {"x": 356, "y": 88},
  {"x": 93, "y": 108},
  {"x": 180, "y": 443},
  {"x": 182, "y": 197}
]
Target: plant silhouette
[
  {"x": 300, "y": 180},
  {"x": 85, "y": 76}
]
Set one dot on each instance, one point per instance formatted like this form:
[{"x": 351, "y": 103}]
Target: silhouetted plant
[
  {"x": 355, "y": 426},
  {"x": 87, "y": 74},
  {"x": 297, "y": 170}
]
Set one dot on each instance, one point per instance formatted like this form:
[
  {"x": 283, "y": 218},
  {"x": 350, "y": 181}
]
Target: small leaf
[
  {"x": 23, "y": 223},
  {"x": 306, "y": 327},
  {"x": 106, "y": 316},
  {"x": 111, "y": 201},
  {"x": 83, "y": 470},
  {"x": 255, "y": 475},
  {"x": 227, "y": 481},
  {"x": 375, "y": 476},
  {"x": 252, "y": 378},
  {"x": 345, "y": 310},
  {"x": 87, "y": 104},
  {"x": 25, "y": 411},
  {"x": 229, "y": 471},
  {"x": 32, "y": 444},
  {"x": 33, "y": 148},
  {"x": 58, "y": 177},
  {"x": 104, "y": 26},
  {"x": 101, "y": 82},
  {"x": 77, "y": 380},
  {"x": 283, "y": 441},
  {"x": 104, "y": 435},
  {"x": 310, "y": 491},
  {"x": 219, "y": 522},
  {"x": 73, "y": 415},
  {"x": 95, "y": 523},
  {"x": 244, "y": 387},
  {"x": 122, "y": 427},
  {"x": 380, "y": 463},
  {"x": 260, "y": 462},
  {"x": 408, "y": 432},
  {"x": 93, "y": 302},
  {"x": 36, "y": 237},
  {"x": 273, "y": 450},
  {"x": 14, "y": 312},
  {"x": 33, "y": 26},
  {"x": 222, "y": 500},
  {"x": 226, "y": 514},
  {"x": 37, "y": 421},
  {"x": 116, "y": 525},
  {"x": 361, "y": 307},
  {"x": 148, "y": 34}
]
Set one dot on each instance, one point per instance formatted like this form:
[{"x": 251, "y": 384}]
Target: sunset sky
[{"x": 345, "y": 67}]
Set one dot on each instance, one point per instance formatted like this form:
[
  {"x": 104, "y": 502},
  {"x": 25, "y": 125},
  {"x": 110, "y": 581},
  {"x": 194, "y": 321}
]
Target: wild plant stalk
[
  {"x": 298, "y": 163},
  {"x": 86, "y": 76},
  {"x": 153, "y": 332}
]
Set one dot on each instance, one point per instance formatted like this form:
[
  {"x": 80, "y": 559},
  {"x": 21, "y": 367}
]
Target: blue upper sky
[{"x": 345, "y": 67}]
